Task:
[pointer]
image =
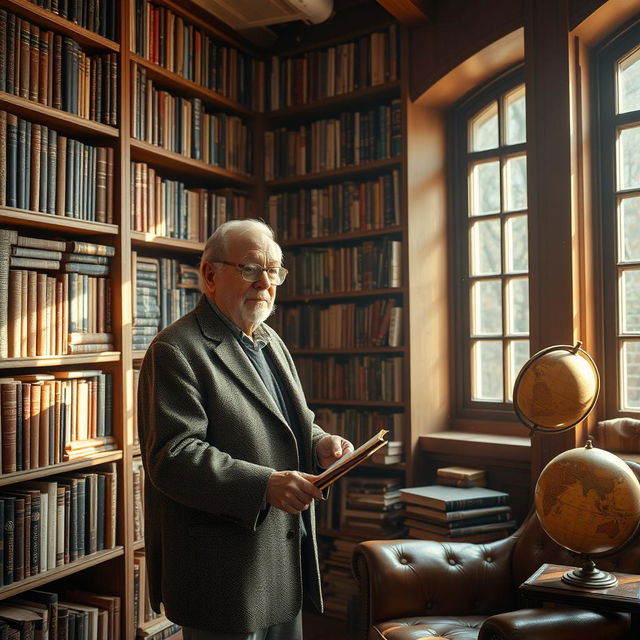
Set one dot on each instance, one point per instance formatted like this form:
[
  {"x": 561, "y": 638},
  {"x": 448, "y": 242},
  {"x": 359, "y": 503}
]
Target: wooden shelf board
[
  {"x": 33, "y": 582},
  {"x": 175, "y": 81},
  {"x": 356, "y": 403},
  {"x": 62, "y": 467},
  {"x": 502, "y": 447},
  {"x": 335, "y": 103},
  {"x": 342, "y": 238},
  {"x": 365, "y": 168},
  {"x": 138, "y": 544},
  {"x": 338, "y": 295},
  {"x": 59, "y": 361},
  {"x": 348, "y": 351},
  {"x": 159, "y": 157},
  {"x": 141, "y": 239},
  {"x": 56, "y": 118},
  {"x": 22, "y": 217},
  {"x": 50, "y": 20}
]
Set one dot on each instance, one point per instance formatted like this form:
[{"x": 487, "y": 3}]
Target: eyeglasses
[{"x": 253, "y": 272}]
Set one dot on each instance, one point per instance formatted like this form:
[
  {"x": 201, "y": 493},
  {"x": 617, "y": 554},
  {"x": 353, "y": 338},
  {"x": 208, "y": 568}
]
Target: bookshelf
[
  {"x": 93, "y": 105},
  {"x": 334, "y": 175}
]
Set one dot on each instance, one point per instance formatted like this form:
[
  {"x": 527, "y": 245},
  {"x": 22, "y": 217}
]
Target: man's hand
[
  {"x": 332, "y": 448},
  {"x": 292, "y": 491}
]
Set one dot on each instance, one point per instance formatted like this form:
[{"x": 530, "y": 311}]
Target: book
[
  {"x": 457, "y": 532},
  {"x": 436, "y": 515},
  {"x": 351, "y": 460},
  {"x": 445, "y": 498},
  {"x": 461, "y": 477}
]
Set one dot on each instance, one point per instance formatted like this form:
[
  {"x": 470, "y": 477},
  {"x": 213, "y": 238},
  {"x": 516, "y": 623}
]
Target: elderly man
[{"x": 229, "y": 446}]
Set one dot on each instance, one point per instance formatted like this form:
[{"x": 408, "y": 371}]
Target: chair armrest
[
  {"x": 562, "y": 623},
  {"x": 399, "y": 578}
]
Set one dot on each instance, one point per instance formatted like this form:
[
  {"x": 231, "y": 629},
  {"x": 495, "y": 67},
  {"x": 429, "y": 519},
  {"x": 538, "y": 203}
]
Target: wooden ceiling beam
[{"x": 410, "y": 12}]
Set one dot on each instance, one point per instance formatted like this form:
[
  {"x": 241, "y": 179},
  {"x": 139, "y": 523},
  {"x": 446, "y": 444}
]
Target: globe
[
  {"x": 588, "y": 501},
  {"x": 556, "y": 388}
]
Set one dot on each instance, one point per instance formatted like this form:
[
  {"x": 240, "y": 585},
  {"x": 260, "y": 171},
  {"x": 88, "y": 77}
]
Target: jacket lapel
[{"x": 225, "y": 346}]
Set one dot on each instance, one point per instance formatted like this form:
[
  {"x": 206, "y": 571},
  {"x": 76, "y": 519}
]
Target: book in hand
[
  {"x": 351, "y": 460},
  {"x": 445, "y": 498}
]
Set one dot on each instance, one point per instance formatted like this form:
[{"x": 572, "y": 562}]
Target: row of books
[
  {"x": 50, "y": 523},
  {"x": 51, "y": 173},
  {"x": 47, "y": 313},
  {"x": 369, "y": 61},
  {"x": 51, "y": 418},
  {"x": 169, "y": 208},
  {"x": 338, "y": 326},
  {"x": 360, "y": 378},
  {"x": 358, "y": 425},
  {"x": 372, "y": 264},
  {"x": 339, "y": 589},
  {"x": 167, "y": 39},
  {"x": 350, "y": 139},
  {"x": 138, "y": 499},
  {"x": 337, "y": 208},
  {"x": 99, "y": 16},
  {"x": 72, "y": 615},
  {"x": 182, "y": 125},
  {"x": 165, "y": 290},
  {"x": 53, "y": 70}
]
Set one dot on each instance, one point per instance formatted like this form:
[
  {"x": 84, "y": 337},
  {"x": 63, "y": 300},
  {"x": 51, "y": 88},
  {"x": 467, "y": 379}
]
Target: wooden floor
[{"x": 321, "y": 627}]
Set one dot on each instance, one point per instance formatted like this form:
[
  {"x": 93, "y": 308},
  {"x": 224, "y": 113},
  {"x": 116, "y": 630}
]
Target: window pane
[
  {"x": 483, "y": 129},
  {"x": 485, "y": 188},
  {"x": 629, "y": 229},
  {"x": 486, "y": 255},
  {"x": 516, "y": 183},
  {"x": 629, "y": 158},
  {"x": 487, "y": 376},
  {"x": 630, "y": 301},
  {"x": 518, "y": 306},
  {"x": 518, "y": 354},
  {"x": 516, "y": 123},
  {"x": 517, "y": 244},
  {"x": 629, "y": 83},
  {"x": 630, "y": 375},
  {"x": 486, "y": 308}
]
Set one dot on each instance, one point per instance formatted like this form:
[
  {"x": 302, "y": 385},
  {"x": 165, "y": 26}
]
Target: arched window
[
  {"x": 490, "y": 244},
  {"x": 618, "y": 70}
]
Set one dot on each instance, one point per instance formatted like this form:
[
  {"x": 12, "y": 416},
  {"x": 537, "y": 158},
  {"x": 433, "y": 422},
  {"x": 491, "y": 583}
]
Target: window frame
[
  {"x": 459, "y": 117},
  {"x": 605, "y": 123}
]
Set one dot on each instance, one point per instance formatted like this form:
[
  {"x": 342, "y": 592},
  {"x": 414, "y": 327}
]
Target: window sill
[{"x": 512, "y": 448}]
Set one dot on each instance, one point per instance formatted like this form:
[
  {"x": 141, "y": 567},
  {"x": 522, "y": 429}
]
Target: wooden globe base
[{"x": 589, "y": 577}]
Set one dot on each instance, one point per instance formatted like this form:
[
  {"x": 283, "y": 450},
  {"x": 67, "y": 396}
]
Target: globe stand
[{"x": 589, "y": 577}]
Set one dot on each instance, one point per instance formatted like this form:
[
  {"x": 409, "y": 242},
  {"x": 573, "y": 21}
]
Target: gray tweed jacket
[{"x": 211, "y": 435}]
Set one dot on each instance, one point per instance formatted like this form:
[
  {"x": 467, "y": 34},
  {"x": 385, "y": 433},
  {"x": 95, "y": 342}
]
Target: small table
[{"x": 545, "y": 585}]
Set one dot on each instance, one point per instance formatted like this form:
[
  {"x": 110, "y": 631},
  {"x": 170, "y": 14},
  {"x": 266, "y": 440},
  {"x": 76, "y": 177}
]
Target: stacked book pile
[
  {"x": 461, "y": 477},
  {"x": 146, "y": 314},
  {"x": 338, "y": 585},
  {"x": 393, "y": 453},
  {"x": 371, "y": 507},
  {"x": 468, "y": 514}
]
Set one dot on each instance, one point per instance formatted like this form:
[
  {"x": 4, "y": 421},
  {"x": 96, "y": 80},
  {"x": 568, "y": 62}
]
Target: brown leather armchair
[{"x": 416, "y": 589}]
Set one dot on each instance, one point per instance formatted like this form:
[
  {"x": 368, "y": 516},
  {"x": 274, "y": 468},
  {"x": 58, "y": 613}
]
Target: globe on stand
[{"x": 586, "y": 499}]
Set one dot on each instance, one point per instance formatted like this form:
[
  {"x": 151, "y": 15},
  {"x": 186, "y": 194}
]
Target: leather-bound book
[
  {"x": 34, "y": 188},
  {"x": 24, "y": 453},
  {"x": 3, "y": 145},
  {"x": 15, "y": 307},
  {"x": 43, "y": 67},
  {"x": 12, "y": 160},
  {"x": 61, "y": 176},
  {"x": 18, "y": 536},
  {"x": 34, "y": 63},
  {"x": 56, "y": 80},
  {"x": 10, "y": 53},
  {"x": 7, "y": 237},
  {"x": 3, "y": 50},
  {"x": 8, "y": 398},
  {"x": 41, "y": 313},
  {"x": 34, "y": 431},
  {"x": 25, "y": 58},
  {"x": 21, "y": 164},
  {"x": 43, "y": 438},
  {"x": 43, "y": 183},
  {"x": 52, "y": 170},
  {"x": 32, "y": 313},
  {"x": 110, "y": 176},
  {"x": 101, "y": 185}
]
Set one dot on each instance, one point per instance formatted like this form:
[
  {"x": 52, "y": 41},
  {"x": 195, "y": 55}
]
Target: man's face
[{"x": 246, "y": 304}]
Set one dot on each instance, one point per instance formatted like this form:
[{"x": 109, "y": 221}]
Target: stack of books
[
  {"x": 371, "y": 507},
  {"x": 338, "y": 585},
  {"x": 467, "y": 514},
  {"x": 461, "y": 477},
  {"x": 391, "y": 454}
]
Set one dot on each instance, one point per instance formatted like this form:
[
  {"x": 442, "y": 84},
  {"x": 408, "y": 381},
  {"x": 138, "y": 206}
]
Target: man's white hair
[{"x": 216, "y": 246}]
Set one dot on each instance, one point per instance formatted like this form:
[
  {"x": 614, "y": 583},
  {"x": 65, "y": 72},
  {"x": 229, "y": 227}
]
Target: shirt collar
[{"x": 260, "y": 336}]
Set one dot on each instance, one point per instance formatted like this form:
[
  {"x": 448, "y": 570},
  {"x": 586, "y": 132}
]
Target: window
[
  {"x": 619, "y": 102},
  {"x": 490, "y": 244}
]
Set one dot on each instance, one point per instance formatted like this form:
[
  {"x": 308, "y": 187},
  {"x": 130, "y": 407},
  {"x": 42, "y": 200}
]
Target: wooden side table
[{"x": 545, "y": 585}]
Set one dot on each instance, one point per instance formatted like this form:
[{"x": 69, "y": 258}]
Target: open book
[{"x": 351, "y": 460}]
